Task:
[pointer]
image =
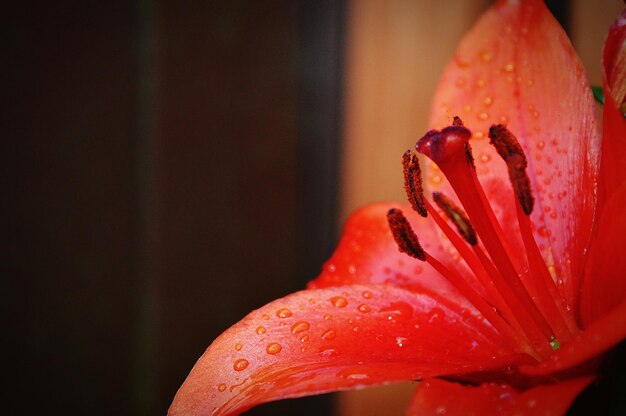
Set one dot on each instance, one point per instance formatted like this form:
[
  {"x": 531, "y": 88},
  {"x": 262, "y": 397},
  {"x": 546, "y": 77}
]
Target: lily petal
[
  {"x": 368, "y": 254},
  {"x": 516, "y": 66},
  {"x": 323, "y": 340},
  {"x": 598, "y": 337},
  {"x": 614, "y": 125},
  {"x": 435, "y": 396},
  {"x": 604, "y": 285}
]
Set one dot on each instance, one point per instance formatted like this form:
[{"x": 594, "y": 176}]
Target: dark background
[{"x": 169, "y": 167}]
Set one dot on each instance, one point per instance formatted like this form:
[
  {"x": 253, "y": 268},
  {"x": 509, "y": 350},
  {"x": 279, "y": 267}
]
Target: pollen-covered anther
[
  {"x": 457, "y": 216},
  {"x": 413, "y": 182},
  {"x": 505, "y": 143},
  {"x": 445, "y": 145},
  {"x": 511, "y": 151},
  {"x": 404, "y": 235}
]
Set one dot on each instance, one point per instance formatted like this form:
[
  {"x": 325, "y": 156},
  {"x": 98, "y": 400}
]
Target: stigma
[{"x": 528, "y": 312}]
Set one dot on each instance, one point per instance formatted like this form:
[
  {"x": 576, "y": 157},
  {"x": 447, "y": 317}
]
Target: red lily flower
[{"x": 515, "y": 308}]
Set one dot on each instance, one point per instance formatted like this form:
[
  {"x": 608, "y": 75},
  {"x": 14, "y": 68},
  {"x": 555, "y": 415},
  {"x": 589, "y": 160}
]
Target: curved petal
[
  {"x": 604, "y": 285},
  {"x": 614, "y": 125},
  {"x": 368, "y": 254},
  {"x": 323, "y": 340},
  {"x": 516, "y": 66},
  {"x": 597, "y": 338},
  {"x": 434, "y": 397}
]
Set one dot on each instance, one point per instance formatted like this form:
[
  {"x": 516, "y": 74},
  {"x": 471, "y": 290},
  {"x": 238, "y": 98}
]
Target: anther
[
  {"x": 404, "y": 235},
  {"x": 457, "y": 121},
  {"x": 457, "y": 216},
  {"x": 413, "y": 182},
  {"x": 511, "y": 151}
]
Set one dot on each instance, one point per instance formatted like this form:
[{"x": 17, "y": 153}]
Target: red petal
[
  {"x": 323, "y": 340},
  {"x": 597, "y": 338},
  {"x": 604, "y": 285},
  {"x": 439, "y": 397},
  {"x": 516, "y": 66},
  {"x": 368, "y": 254},
  {"x": 614, "y": 125}
]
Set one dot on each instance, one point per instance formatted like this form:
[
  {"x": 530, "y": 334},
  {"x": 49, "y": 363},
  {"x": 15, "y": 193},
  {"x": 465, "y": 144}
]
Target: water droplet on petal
[
  {"x": 299, "y": 327},
  {"x": 397, "y": 312},
  {"x": 260, "y": 330},
  {"x": 509, "y": 67},
  {"x": 221, "y": 387},
  {"x": 283, "y": 313},
  {"x": 238, "y": 347},
  {"x": 328, "y": 316},
  {"x": 330, "y": 334},
  {"x": 364, "y": 308},
  {"x": 400, "y": 341},
  {"x": 241, "y": 364},
  {"x": 339, "y": 302},
  {"x": 367, "y": 294},
  {"x": 273, "y": 348}
]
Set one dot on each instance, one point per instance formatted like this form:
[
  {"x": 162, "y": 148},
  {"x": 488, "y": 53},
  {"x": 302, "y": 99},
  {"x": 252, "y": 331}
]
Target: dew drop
[
  {"x": 352, "y": 269},
  {"x": 299, "y": 327},
  {"x": 364, "y": 308},
  {"x": 435, "y": 315},
  {"x": 367, "y": 294},
  {"x": 480, "y": 83},
  {"x": 328, "y": 316},
  {"x": 467, "y": 108},
  {"x": 397, "y": 312},
  {"x": 241, "y": 364},
  {"x": 283, "y": 313},
  {"x": 509, "y": 67},
  {"x": 303, "y": 349},
  {"x": 435, "y": 179},
  {"x": 273, "y": 348},
  {"x": 504, "y": 119},
  {"x": 488, "y": 101},
  {"x": 484, "y": 157},
  {"x": 331, "y": 268},
  {"x": 265, "y": 317},
  {"x": 486, "y": 56},
  {"x": 544, "y": 232},
  {"x": 260, "y": 330},
  {"x": 304, "y": 338},
  {"x": 400, "y": 341},
  {"x": 221, "y": 387},
  {"x": 541, "y": 144},
  {"x": 330, "y": 334},
  {"x": 238, "y": 347},
  {"x": 482, "y": 116},
  {"x": 479, "y": 135},
  {"x": 339, "y": 302}
]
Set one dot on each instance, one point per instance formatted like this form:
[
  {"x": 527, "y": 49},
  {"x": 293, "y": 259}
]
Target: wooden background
[{"x": 170, "y": 166}]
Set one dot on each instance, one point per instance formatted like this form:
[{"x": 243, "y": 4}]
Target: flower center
[{"x": 529, "y": 312}]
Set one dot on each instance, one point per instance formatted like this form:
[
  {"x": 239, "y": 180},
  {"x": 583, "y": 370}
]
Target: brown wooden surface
[{"x": 161, "y": 164}]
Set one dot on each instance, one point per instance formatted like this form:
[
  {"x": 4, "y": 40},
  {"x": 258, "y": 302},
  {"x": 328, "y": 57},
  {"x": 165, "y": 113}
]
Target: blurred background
[{"x": 171, "y": 166}]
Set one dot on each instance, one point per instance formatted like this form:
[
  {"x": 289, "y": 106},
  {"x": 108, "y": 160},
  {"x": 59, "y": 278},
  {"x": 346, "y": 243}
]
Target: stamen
[
  {"x": 511, "y": 151},
  {"x": 457, "y": 121},
  {"x": 540, "y": 282},
  {"x": 408, "y": 243},
  {"x": 413, "y": 182},
  {"x": 404, "y": 235},
  {"x": 447, "y": 149},
  {"x": 457, "y": 216}
]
